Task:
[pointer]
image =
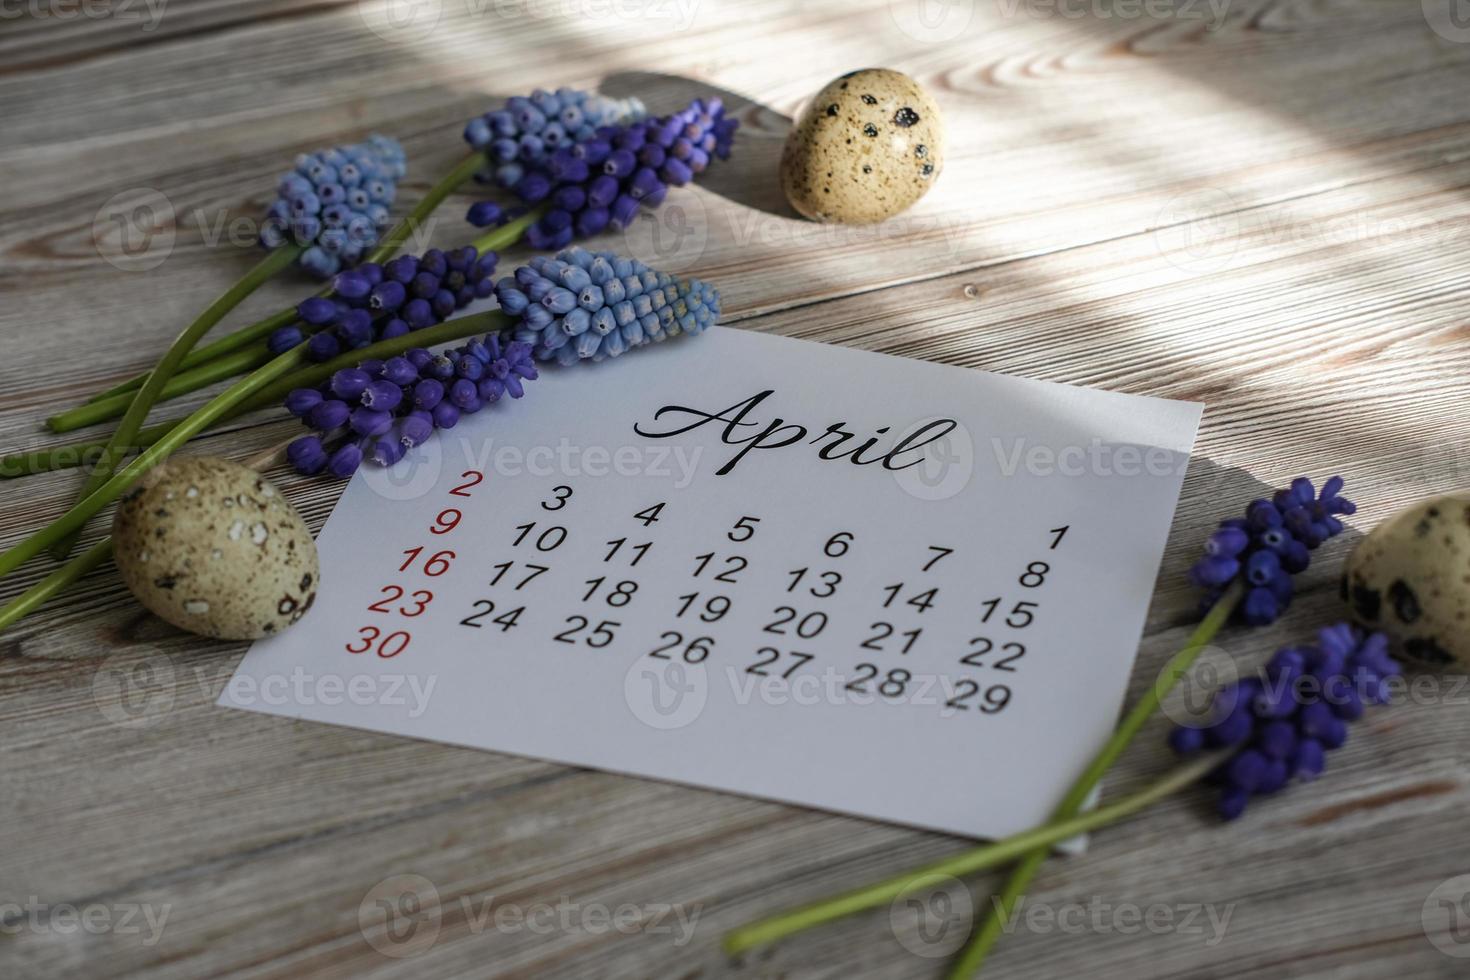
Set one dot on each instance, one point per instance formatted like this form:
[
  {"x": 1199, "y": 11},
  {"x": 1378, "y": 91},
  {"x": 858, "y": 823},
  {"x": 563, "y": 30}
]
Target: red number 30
[{"x": 391, "y": 646}]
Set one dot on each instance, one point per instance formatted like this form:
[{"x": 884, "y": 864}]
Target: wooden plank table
[{"x": 1259, "y": 204}]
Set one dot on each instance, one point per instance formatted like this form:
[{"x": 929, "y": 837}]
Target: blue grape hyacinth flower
[
  {"x": 382, "y": 408},
  {"x": 1285, "y": 721},
  {"x": 335, "y": 203},
  {"x": 1269, "y": 545},
  {"x": 527, "y": 130},
  {"x": 601, "y": 182},
  {"x": 593, "y": 305},
  {"x": 378, "y": 302}
]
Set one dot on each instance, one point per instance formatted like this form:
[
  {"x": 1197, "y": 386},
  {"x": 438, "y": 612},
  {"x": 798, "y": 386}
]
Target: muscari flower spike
[
  {"x": 601, "y": 182},
  {"x": 526, "y": 130},
  {"x": 1284, "y": 721},
  {"x": 382, "y": 408},
  {"x": 377, "y": 302},
  {"x": 1269, "y": 545},
  {"x": 595, "y": 305},
  {"x": 335, "y": 202}
]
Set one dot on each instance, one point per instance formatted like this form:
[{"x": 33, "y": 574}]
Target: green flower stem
[
  {"x": 387, "y": 247},
  {"x": 74, "y": 519},
  {"x": 507, "y": 234},
  {"x": 83, "y": 564},
  {"x": 181, "y": 384},
  {"x": 78, "y": 453},
  {"x": 142, "y": 401},
  {"x": 243, "y": 337},
  {"x": 973, "y": 955},
  {"x": 986, "y": 856},
  {"x": 101, "y": 409},
  {"x": 56, "y": 582},
  {"x": 400, "y": 233},
  {"x": 267, "y": 383}
]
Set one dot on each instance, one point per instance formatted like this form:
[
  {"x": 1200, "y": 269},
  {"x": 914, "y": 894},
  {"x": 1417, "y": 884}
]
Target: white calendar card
[{"x": 874, "y": 585}]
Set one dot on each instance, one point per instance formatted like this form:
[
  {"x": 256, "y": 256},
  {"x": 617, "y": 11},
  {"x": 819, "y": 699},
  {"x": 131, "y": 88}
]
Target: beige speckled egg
[
  {"x": 867, "y": 146},
  {"x": 1411, "y": 579},
  {"x": 214, "y": 548}
]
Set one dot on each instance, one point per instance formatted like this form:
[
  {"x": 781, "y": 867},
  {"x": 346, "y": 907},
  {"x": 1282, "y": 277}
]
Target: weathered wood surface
[{"x": 1266, "y": 213}]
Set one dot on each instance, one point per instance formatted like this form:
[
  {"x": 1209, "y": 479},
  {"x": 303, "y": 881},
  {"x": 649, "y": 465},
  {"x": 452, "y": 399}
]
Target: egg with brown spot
[
  {"x": 214, "y": 548},
  {"x": 1411, "y": 578},
  {"x": 866, "y": 147}
]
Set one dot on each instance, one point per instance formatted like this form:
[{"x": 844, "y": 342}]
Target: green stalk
[
  {"x": 243, "y": 337},
  {"x": 387, "y": 246},
  {"x": 56, "y": 582},
  {"x": 971, "y": 958},
  {"x": 79, "y": 567},
  {"x": 77, "y": 453},
  {"x": 270, "y": 381},
  {"x": 140, "y": 403},
  {"x": 967, "y": 862},
  {"x": 405, "y": 229},
  {"x": 181, "y": 384},
  {"x": 106, "y": 493},
  {"x": 508, "y": 234}
]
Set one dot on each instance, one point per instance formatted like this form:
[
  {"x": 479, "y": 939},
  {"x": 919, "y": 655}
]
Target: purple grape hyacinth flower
[
  {"x": 1284, "y": 721},
  {"x": 378, "y": 302},
  {"x": 1269, "y": 545},
  {"x": 526, "y": 130},
  {"x": 335, "y": 203},
  {"x": 381, "y": 409},
  {"x": 601, "y": 183},
  {"x": 594, "y": 305}
]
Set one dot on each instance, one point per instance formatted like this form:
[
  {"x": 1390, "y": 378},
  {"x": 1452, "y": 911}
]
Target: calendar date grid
[{"x": 748, "y": 600}]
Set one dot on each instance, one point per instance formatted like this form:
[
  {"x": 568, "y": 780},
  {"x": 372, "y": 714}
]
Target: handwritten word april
[{"x": 777, "y": 433}]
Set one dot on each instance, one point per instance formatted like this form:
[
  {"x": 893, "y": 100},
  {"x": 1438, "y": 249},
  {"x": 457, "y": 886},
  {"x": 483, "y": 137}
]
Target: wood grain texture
[{"x": 1265, "y": 211}]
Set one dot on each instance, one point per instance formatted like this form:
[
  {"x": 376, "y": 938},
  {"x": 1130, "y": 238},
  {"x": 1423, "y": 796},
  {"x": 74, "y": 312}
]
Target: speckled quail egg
[
  {"x": 1411, "y": 578},
  {"x": 866, "y": 147},
  {"x": 214, "y": 548}
]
